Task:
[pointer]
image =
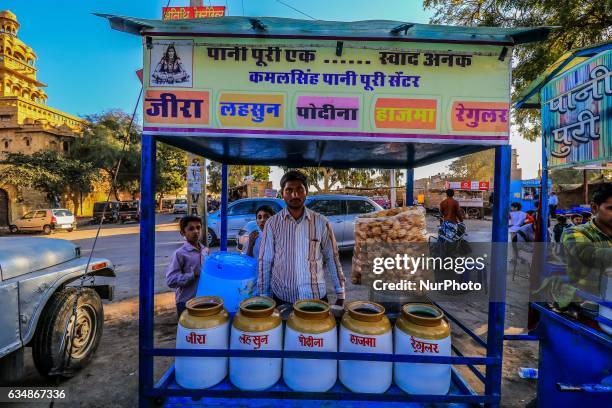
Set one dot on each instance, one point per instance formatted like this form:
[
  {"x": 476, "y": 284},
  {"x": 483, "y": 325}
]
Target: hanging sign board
[
  {"x": 577, "y": 114},
  {"x": 184, "y": 13},
  {"x": 327, "y": 89}
]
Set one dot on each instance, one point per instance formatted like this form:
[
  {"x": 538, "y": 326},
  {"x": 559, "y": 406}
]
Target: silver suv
[{"x": 36, "y": 303}]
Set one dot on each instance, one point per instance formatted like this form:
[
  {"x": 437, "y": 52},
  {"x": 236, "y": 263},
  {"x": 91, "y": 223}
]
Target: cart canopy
[{"x": 277, "y": 91}]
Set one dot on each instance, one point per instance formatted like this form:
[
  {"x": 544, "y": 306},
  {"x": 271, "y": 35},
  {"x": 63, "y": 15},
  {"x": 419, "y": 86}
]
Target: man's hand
[{"x": 339, "y": 302}]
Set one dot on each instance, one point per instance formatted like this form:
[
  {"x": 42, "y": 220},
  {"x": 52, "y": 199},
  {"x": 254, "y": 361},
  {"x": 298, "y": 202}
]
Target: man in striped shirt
[{"x": 297, "y": 248}]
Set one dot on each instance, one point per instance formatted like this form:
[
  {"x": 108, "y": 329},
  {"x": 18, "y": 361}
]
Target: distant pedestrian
[
  {"x": 516, "y": 218},
  {"x": 450, "y": 209},
  {"x": 560, "y": 227},
  {"x": 183, "y": 272},
  {"x": 576, "y": 220},
  {"x": 553, "y": 202}
]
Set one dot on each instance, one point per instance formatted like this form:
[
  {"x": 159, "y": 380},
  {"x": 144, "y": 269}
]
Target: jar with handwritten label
[
  {"x": 422, "y": 330},
  {"x": 256, "y": 326},
  {"x": 203, "y": 325},
  {"x": 310, "y": 327},
  {"x": 366, "y": 329}
]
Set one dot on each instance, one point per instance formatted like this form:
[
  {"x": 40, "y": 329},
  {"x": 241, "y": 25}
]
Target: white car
[
  {"x": 45, "y": 220},
  {"x": 180, "y": 206}
]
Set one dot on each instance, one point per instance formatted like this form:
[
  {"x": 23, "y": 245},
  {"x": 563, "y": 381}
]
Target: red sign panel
[
  {"x": 185, "y": 13},
  {"x": 466, "y": 185},
  {"x": 483, "y": 185}
]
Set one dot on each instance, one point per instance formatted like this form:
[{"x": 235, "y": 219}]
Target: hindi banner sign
[
  {"x": 184, "y": 13},
  {"x": 301, "y": 89},
  {"x": 577, "y": 114}
]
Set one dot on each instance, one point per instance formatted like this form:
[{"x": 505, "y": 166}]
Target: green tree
[
  {"x": 476, "y": 166},
  {"x": 325, "y": 179},
  {"x": 237, "y": 173},
  {"x": 50, "y": 172},
  {"x": 581, "y": 23},
  {"x": 171, "y": 170},
  {"x": 102, "y": 145}
]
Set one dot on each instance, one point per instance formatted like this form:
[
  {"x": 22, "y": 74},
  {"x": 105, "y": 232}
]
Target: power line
[
  {"x": 242, "y": 7},
  {"x": 294, "y": 9}
]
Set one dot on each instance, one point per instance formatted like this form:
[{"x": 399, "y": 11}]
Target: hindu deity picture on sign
[{"x": 173, "y": 64}]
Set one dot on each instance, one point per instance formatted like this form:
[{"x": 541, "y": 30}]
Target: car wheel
[
  {"x": 211, "y": 238},
  {"x": 56, "y": 317},
  {"x": 70, "y": 229},
  {"x": 13, "y": 229},
  {"x": 47, "y": 229}
]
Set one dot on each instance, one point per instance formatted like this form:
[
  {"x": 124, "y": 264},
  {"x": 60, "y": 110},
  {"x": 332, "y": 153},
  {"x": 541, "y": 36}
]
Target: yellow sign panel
[{"x": 367, "y": 90}]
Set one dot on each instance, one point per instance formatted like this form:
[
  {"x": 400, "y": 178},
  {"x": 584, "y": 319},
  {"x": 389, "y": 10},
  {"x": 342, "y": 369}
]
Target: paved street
[{"x": 120, "y": 244}]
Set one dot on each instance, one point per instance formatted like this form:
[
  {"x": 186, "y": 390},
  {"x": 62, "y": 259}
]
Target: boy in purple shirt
[{"x": 183, "y": 272}]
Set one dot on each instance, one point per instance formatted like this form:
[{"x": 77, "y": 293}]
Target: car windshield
[
  {"x": 128, "y": 207},
  {"x": 62, "y": 213},
  {"x": 180, "y": 201},
  {"x": 100, "y": 206}
]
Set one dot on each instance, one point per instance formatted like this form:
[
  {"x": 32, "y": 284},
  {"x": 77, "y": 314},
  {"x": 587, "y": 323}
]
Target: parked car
[
  {"x": 37, "y": 293},
  {"x": 340, "y": 210},
  {"x": 46, "y": 220},
  {"x": 180, "y": 206},
  {"x": 129, "y": 211},
  {"x": 109, "y": 210},
  {"x": 239, "y": 213}
]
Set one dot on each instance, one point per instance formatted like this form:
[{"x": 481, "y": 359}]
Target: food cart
[
  {"x": 575, "y": 98},
  {"x": 372, "y": 94},
  {"x": 527, "y": 192}
]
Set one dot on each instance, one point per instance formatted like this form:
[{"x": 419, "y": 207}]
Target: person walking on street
[
  {"x": 297, "y": 249},
  {"x": 553, "y": 202},
  {"x": 450, "y": 209}
]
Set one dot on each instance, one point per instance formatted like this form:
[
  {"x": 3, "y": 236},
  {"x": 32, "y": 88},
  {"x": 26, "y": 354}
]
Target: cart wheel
[
  {"x": 47, "y": 229},
  {"x": 13, "y": 229},
  {"x": 49, "y": 338}
]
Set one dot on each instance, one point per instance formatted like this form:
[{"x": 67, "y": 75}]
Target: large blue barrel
[{"x": 230, "y": 276}]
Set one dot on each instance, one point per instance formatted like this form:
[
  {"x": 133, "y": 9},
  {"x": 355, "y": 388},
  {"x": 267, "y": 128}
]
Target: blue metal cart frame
[
  {"x": 571, "y": 353},
  {"x": 298, "y": 151},
  {"x": 460, "y": 393}
]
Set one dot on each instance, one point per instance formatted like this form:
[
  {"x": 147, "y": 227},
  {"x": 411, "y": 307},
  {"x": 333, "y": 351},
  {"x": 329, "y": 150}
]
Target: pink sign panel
[{"x": 327, "y": 111}]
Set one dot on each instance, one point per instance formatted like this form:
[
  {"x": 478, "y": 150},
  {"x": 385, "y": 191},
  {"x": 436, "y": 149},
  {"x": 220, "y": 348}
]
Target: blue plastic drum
[{"x": 230, "y": 276}]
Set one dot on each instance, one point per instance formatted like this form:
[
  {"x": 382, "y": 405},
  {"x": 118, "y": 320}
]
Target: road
[{"x": 120, "y": 244}]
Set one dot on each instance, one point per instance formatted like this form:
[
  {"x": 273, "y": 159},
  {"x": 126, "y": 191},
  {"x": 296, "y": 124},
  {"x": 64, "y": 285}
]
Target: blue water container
[{"x": 230, "y": 276}]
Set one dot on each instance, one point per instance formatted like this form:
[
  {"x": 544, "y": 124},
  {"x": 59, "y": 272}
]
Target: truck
[{"x": 38, "y": 289}]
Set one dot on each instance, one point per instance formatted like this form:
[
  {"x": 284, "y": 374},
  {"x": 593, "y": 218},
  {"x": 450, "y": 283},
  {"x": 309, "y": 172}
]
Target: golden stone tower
[{"x": 27, "y": 124}]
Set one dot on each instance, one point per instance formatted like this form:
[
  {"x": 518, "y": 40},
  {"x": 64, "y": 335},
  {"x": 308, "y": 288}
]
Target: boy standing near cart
[{"x": 183, "y": 272}]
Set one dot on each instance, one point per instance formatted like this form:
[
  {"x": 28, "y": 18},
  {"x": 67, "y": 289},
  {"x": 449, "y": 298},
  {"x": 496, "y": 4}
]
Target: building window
[
  {"x": 65, "y": 146},
  {"x": 6, "y": 144},
  {"x": 5, "y": 118}
]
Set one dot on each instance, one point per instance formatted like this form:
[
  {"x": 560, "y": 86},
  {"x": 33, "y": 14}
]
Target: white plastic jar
[
  {"x": 422, "y": 330},
  {"x": 310, "y": 327},
  {"x": 203, "y": 325},
  {"x": 366, "y": 329},
  {"x": 257, "y": 326}
]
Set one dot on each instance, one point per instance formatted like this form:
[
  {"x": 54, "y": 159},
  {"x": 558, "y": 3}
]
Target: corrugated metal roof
[{"x": 363, "y": 30}]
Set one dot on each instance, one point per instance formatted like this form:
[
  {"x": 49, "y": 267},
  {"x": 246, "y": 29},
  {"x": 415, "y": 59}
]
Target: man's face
[
  {"x": 262, "y": 217},
  {"x": 603, "y": 212},
  {"x": 294, "y": 194},
  {"x": 192, "y": 231}
]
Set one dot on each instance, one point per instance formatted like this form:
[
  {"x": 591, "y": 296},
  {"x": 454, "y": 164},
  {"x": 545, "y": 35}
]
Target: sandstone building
[{"x": 27, "y": 124}]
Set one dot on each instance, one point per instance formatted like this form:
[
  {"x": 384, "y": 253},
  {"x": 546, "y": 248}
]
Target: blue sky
[{"x": 90, "y": 68}]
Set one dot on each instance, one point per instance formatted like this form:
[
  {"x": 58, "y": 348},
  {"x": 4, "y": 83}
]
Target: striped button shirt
[{"x": 294, "y": 255}]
